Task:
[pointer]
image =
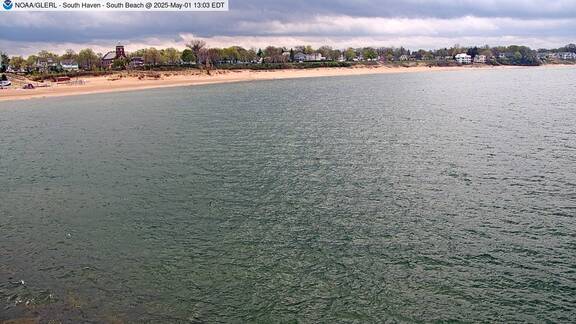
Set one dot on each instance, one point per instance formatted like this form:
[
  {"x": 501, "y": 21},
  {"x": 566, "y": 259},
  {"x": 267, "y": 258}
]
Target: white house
[
  {"x": 506, "y": 56},
  {"x": 464, "y": 58},
  {"x": 12, "y": 69},
  {"x": 69, "y": 65},
  {"x": 480, "y": 59},
  {"x": 316, "y": 57},
  {"x": 567, "y": 56},
  {"x": 301, "y": 57}
]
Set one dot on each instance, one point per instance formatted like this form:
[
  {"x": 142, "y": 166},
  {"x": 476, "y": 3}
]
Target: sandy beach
[{"x": 127, "y": 81}]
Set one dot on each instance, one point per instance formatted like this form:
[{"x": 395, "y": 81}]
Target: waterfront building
[
  {"x": 111, "y": 56},
  {"x": 481, "y": 59},
  {"x": 464, "y": 58}
]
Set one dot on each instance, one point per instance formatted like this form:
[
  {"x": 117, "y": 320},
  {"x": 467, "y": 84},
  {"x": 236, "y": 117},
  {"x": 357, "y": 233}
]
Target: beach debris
[
  {"x": 62, "y": 79},
  {"x": 150, "y": 76},
  {"x": 77, "y": 82}
]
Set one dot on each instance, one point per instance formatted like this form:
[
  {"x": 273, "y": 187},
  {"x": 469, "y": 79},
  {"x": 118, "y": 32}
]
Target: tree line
[{"x": 197, "y": 52}]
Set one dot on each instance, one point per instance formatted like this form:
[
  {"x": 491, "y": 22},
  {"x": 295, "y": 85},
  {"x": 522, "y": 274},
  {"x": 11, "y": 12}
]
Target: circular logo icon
[{"x": 7, "y": 4}]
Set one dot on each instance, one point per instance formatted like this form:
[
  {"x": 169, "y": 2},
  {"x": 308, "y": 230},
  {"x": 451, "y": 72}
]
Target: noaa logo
[{"x": 7, "y": 4}]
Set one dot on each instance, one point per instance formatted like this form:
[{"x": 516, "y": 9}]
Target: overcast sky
[{"x": 339, "y": 23}]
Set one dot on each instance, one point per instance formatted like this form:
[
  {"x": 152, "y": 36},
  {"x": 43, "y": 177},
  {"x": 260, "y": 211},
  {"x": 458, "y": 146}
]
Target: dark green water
[{"x": 404, "y": 198}]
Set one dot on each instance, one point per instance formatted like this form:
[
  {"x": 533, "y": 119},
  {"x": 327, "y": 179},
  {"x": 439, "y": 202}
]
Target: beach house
[
  {"x": 111, "y": 56},
  {"x": 506, "y": 56},
  {"x": 69, "y": 65},
  {"x": 463, "y": 58},
  {"x": 301, "y": 57},
  {"x": 286, "y": 55},
  {"x": 568, "y": 56},
  {"x": 45, "y": 64},
  {"x": 480, "y": 59},
  {"x": 136, "y": 61},
  {"x": 317, "y": 57}
]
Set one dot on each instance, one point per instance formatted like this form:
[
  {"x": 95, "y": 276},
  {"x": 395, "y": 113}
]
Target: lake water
[{"x": 446, "y": 196}]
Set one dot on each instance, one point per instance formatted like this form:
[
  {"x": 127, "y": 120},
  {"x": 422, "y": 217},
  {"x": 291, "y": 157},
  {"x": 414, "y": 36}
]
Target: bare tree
[
  {"x": 209, "y": 57},
  {"x": 196, "y": 45}
]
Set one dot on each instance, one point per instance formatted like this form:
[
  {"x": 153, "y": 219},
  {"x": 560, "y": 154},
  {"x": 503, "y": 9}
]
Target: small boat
[{"x": 5, "y": 83}]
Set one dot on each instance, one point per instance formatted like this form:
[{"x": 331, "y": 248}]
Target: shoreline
[{"x": 126, "y": 81}]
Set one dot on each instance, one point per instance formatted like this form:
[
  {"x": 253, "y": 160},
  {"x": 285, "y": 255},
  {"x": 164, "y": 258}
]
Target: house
[
  {"x": 111, "y": 56},
  {"x": 13, "y": 69},
  {"x": 136, "y": 61},
  {"x": 69, "y": 65},
  {"x": 481, "y": 59},
  {"x": 427, "y": 57},
  {"x": 407, "y": 58},
  {"x": 46, "y": 64},
  {"x": 506, "y": 56},
  {"x": 463, "y": 58},
  {"x": 567, "y": 56},
  {"x": 443, "y": 58},
  {"x": 301, "y": 57},
  {"x": 316, "y": 57}
]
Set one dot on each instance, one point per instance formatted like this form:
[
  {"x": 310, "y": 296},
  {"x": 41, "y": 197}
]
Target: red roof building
[{"x": 111, "y": 56}]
